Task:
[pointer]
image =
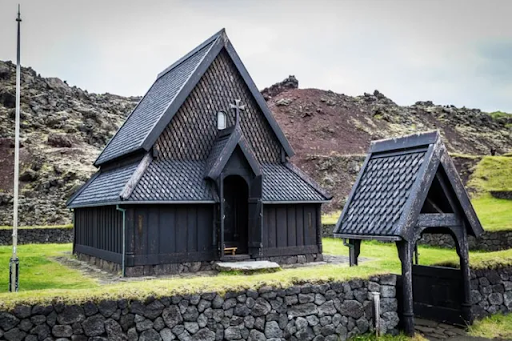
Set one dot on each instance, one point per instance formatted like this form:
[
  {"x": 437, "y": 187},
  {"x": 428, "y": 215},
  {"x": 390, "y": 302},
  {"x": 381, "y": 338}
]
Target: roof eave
[
  {"x": 146, "y": 202},
  {"x": 368, "y": 237}
]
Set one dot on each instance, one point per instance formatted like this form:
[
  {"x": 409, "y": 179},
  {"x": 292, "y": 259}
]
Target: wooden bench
[{"x": 231, "y": 250}]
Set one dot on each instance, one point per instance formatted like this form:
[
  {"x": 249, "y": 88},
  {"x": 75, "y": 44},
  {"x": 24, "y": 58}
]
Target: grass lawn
[
  {"x": 495, "y": 326},
  {"x": 492, "y": 173},
  {"x": 494, "y": 214},
  {"x": 37, "y": 271}
]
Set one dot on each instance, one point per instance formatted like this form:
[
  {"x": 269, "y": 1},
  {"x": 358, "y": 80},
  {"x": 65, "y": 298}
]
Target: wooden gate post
[
  {"x": 462, "y": 251},
  {"x": 354, "y": 251},
  {"x": 405, "y": 251}
]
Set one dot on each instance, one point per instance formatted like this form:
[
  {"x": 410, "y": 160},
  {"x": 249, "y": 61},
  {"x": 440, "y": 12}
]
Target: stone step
[{"x": 248, "y": 267}]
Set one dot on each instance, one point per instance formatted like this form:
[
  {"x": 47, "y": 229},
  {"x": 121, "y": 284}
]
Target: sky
[{"x": 448, "y": 51}]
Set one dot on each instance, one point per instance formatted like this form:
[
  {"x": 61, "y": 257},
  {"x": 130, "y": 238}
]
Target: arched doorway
[{"x": 236, "y": 219}]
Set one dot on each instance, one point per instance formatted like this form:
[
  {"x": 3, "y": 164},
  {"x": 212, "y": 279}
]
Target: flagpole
[{"x": 14, "y": 262}]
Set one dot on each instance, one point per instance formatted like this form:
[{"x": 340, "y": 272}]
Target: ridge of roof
[{"x": 404, "y": 142}]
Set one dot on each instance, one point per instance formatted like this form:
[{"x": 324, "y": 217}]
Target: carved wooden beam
[{"x": 438, "y": 220}]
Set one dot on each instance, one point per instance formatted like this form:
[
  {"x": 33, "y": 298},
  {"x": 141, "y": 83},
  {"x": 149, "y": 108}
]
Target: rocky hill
[
  {"x": 329, "y": 132},
  {"x": 64, "y": 128}
]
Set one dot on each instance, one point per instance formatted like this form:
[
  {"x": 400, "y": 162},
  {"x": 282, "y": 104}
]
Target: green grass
[
  {"x": 492, "y": 173},
  {"x": 68, "y": 226},
  {"x": 494, "y": 214},
  {"x": 39, "y": 271},
  {"x": 495, "y": 326},
  {"x": 499, "y": 114},
  {"x": 330, "y": 218}
]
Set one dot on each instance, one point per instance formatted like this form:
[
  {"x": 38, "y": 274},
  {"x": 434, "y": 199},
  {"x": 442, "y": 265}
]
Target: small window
[{"x": 221, "y": 120}]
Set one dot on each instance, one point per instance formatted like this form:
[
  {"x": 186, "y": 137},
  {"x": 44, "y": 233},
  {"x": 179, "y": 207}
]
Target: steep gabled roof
[
  {"x": 167, "y": 94},
  {"x": 392, "y": 187},
  {"x": 224, "y": 147}
]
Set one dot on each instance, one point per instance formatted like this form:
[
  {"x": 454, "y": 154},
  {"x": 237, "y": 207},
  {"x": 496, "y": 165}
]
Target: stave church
[{"x": 199, "y": 172}]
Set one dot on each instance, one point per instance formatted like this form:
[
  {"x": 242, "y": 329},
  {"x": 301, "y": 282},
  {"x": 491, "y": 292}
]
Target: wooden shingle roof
[
  {"x": 393, "y": 184},
  {"x": 156, "y": 109},
  {"x": 183, "y": 181}
]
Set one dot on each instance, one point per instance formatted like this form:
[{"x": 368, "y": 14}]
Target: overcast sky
[{"x": 450, "y": 52}]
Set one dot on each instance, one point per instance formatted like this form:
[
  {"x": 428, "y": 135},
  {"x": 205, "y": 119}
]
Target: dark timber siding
[
  {"x": 290, "y": 229},
  {"x": 98, "y": 232},
  {"x": 160, "y": 234}
]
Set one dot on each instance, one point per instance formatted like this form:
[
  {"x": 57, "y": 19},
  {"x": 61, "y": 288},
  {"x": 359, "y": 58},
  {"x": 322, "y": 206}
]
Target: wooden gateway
[
  {"x": 407, "y": 187},
  {"x": 198, "y": 172}
]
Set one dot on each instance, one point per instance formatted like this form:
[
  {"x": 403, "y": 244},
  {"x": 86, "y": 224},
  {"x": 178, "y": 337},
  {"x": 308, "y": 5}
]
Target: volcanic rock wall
[{"x": 335, "y": 311}]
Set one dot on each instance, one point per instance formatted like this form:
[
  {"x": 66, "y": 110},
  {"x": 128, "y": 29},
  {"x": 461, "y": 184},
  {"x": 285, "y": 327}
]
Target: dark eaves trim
[
  {"x": 404, "y": 142},
  {"x": 112, "y": 203},
  {"x": 367, "y": 237}
]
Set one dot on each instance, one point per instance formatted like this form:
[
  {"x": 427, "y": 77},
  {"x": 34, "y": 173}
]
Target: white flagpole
[{"x": 14, "y": 262}]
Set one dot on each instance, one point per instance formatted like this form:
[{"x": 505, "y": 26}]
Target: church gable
[{"x": 192, "y": 131}]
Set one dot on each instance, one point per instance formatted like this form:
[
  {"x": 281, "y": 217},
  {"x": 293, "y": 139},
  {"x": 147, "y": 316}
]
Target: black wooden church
[{"x": 198, "y": 172}]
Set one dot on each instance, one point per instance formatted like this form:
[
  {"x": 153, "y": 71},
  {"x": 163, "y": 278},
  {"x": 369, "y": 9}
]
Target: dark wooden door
[
  {"x": 236, "y": 217},
  {"x": 438, "y": 293}
]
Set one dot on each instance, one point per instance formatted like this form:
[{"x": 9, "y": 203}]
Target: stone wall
[
  {"x": 502, "y": 194},
  {"x": 187, "y": 267},
  {"x": 38, "y": 236},
  {"x": 488, "y": 241},
  {"x": 327, "y": 231},
  {"x": 491, "y": 291},
  {"x": 330, "y": 311}
]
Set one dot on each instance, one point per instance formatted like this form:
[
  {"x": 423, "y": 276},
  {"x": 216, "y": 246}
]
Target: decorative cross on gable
[{"x": 237, "y": 108}]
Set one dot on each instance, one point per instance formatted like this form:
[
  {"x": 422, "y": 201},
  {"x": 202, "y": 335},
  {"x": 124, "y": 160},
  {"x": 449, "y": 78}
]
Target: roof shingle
[
  {"x": 381, "y": 194},
  {"x": 150, "y": 109},
  {"x": 105, "y": 187}
]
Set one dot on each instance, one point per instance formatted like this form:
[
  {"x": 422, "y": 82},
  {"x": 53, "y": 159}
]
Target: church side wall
[
  {"x": 161, "y": 235},
  {"x": 98, "y": 232},
  {"x": 291, "y": 229}
]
